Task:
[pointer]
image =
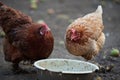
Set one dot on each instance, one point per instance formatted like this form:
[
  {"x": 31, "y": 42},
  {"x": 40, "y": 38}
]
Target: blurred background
[{"x": 58, "y": 14}]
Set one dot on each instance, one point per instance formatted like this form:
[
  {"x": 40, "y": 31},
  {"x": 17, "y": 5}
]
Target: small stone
[
  {"x": 40, "y": 21},
  {"x": 103, "y": 2},
  {"x": 70, "y": 20},
  {"x": 61, "y": 42},
  {"x": 63, "y": 16},
  {"x": 50, "y": 11},
  {"x": 98, "y": 78},
  {"x": 2, "y": 34},
  {"x": 117, "y": 1},
  {"x": 42, "y": 1},
  {"x": 109, "y": 68},
  {"x": 107, "y": 34},
  {"x": 102, "y": 69},
  {"x": 34, "y": 4},
  {"x": 109, "y": 18}
]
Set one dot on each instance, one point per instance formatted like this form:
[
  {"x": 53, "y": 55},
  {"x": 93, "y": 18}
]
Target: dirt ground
[{"x": 63, "y": 12}]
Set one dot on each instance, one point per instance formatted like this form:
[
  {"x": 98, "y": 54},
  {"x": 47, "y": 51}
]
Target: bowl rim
[{"x": 65, "y": 72}]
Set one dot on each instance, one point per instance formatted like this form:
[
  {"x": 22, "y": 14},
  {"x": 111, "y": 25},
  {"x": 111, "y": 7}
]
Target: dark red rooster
[{"x": 24, "y": 39}]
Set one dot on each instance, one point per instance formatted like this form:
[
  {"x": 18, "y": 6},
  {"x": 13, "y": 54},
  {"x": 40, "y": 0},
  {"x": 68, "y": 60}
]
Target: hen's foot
[
  {"x": 26, "y": 62},
  {"x": 17, "y": 70}
]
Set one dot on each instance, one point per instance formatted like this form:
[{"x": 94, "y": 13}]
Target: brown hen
[{"x": 24, "y": 39}]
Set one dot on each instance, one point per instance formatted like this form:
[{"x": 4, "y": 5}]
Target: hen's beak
[
  {"x": 73, "y": 34},
  {"x": 47, "y": 28},
  {"x": 73, "y": 37},
  {"x": 43, "y": 23}
]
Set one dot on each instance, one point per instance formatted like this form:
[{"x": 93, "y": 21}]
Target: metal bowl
[{"x": 65, "y": 69}]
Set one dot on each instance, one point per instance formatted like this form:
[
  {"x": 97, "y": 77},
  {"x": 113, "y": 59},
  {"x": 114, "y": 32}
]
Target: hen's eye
[
  {"x": 41, "y": 31},
  {"x": 40, "y": 28}
]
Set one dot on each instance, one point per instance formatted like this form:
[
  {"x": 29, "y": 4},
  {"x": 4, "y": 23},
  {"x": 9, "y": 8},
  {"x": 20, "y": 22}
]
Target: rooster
[
  {"x": 84, "y": 36},
  {"x": 24, "y": 39}
]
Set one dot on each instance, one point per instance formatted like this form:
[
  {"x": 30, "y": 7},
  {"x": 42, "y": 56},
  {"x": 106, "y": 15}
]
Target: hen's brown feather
[{"x": 24, "y": 40}]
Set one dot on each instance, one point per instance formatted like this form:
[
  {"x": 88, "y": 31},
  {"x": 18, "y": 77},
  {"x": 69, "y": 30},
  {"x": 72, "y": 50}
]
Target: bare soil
[{"x": 58, "y": 14}]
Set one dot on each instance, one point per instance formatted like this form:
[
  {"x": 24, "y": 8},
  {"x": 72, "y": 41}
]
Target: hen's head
[
  {"x": 35, "y": 36},
  {"x": 38, "y": 31},
  {"x": 43, "y": 29},
  {"x": 78, "y": 34},
  {"x": 75, "y": 35}
]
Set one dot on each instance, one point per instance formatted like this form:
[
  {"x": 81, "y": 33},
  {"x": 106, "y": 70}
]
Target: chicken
[
  {"x": 24, "y": 39},
  {"x": 84, "y": 36}
]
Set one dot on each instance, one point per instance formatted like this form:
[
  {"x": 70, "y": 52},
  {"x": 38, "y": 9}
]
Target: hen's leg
[
  {"x": 26, "y": 62},
  {"x": 15, "y": 66},
  {"x": 17, "y": 69}
]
